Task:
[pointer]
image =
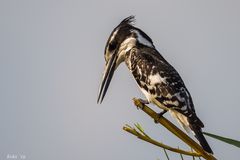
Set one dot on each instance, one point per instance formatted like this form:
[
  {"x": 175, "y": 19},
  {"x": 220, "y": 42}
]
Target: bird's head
[{"x": 122, "y": 39}]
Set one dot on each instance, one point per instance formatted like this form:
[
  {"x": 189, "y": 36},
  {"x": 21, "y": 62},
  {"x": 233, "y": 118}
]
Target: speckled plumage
[
  {"x": 161, "y": 81},
  {"x": 157, "y": 79}
]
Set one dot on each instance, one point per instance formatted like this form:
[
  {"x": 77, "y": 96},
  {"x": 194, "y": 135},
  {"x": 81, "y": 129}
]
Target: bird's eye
[{"x": 112, "y": 46}]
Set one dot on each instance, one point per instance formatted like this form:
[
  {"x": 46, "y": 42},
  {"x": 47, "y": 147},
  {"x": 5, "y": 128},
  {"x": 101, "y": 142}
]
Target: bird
[{"x": 156, "y": 77}]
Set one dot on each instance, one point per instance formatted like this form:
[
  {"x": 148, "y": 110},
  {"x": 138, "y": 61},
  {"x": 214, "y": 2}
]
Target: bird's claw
[{"x": 160, "y": 115}]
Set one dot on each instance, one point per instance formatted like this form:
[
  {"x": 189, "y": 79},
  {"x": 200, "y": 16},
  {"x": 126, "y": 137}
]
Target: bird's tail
[
  {"x": 203, "y": 142},
  {"x": 188, "y": 125}
]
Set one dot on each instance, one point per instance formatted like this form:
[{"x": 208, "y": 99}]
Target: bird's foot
[{"x": 160, "y": 115}]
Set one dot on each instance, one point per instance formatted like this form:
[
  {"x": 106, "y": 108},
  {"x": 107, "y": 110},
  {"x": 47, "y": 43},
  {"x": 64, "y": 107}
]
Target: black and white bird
[{"x": 157, "y": 79}]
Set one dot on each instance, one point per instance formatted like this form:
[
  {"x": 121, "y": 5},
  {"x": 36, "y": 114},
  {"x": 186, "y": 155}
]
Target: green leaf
[
  {"x": 139, "y": 127},
  {"x": 224, "y": 139}
]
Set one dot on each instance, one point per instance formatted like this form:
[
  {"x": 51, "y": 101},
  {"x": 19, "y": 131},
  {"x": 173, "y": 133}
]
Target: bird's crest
[{"x": 128, "y": 21}]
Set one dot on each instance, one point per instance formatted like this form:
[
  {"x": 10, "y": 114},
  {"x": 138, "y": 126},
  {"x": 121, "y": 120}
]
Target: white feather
[
  {"x": 143, "y": 40},
  {"x": 182, "y": 120},
  {"x": 113, "y": 35},
  {"x": 126, "y": 45},
  {"x": 156, "y": 78}
]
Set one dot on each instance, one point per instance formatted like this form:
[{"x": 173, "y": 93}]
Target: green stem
[
  {"x": 172, "y": 128},
  {"x": 159, "y": 144}
]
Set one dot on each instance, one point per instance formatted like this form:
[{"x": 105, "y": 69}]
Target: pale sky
[{"x": 51, "y": 63}]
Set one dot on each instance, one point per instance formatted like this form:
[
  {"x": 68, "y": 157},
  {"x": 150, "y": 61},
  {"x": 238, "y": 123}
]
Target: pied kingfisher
[{"x": 156, "y": 78}]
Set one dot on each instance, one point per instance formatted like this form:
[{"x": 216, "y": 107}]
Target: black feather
[
  {"x": 128, "y": 21},
  {"x": 203, "y": 142}
]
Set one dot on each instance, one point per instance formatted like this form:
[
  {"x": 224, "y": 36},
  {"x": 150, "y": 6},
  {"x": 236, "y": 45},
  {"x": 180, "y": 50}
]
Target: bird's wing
[{"x": 156, "y": 76}]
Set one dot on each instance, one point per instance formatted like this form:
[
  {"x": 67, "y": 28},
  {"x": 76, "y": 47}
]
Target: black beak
[{"x": 107, "y": 76}]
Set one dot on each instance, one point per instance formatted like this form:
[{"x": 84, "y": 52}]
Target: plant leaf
[
  {"x": 139, "y": 127},
  {"x": 224, "y": 139}
]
